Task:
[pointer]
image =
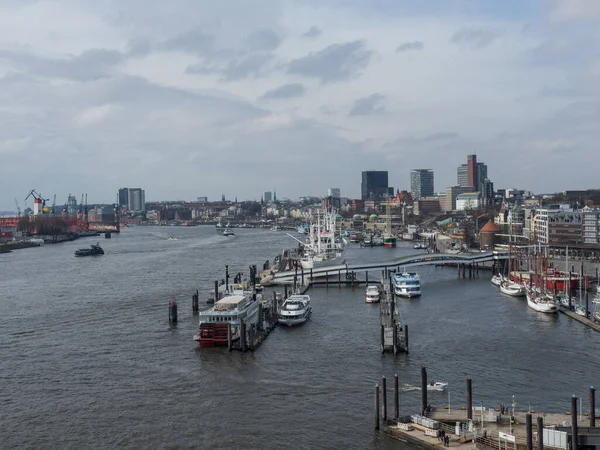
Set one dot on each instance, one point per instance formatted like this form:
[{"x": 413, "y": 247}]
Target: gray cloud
[
  {"x": 285, "y": 91},
  {"x": 407, "y": 46},
  {"x": 336, "y": 62},
  {"x": 368, "y": 105},
  {"x": 194, "y": 41},
  {"x": 234, "y": 67},
  {"x": 313, "y": 32},
  {"x": 475, "y": 38},
  {"x": 263, "y": 40},
  {"x": 89, "y": 65}
]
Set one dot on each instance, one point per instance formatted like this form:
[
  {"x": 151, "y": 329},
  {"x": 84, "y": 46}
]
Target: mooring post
[
  {"x": 376, "y": 407},
  {"x": 587, "y": 305},
  {"x": 252, "y": 337},
  {"x": 469, "y": 399},
  {"x": 242, "y": 336},
  {"x": 540, "y": 433},
  {"x": 227, "y": 278},
  {"x": 339, "y": 278},
  {"x": 216, "y": 291},
  {"x": 423, "y": 390},
  {"x": 311, "y": 275},
  {"x": 592, "y": 407},
  {"x": 396, "y": 398},
  {"x": 195, "y": 302},
  {"x": 458, "y": 265},
  {"x": 529, "y": 431},
  {"x": 575, "y": 440},
  {"x": 470, "y": 271},
  {"x": 229, "y": 337},
  {"x": 464, "y": 266},
  {"x": 395, "y": 338},
  {"x": 367, "y": 277},
  {"x": 260, "y": 323},
  {"x": 406, "y": 338},
  {"x": 384, "y": 399},
  {"x": 302, "y": 275},
  {"x": 285, "y": 290},
  {"x": 326, "y": 279},
  {"x": 382, "y": 338},
  {"x": 172, "y": 310},
  {"x": 569, "y": 290}
]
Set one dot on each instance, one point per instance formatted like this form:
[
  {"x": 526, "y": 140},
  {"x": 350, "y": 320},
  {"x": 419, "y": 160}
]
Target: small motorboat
[
  {"x": 172, "y": 238},
  {"x": 512, "y": 289},
  {"x": 94, "y": 250},
  {"x": 372, "y": 294},
  {"x": 497, "y": 280},
  {"x": 228, "y": 232},
  {"x": 436, "y": 386}
]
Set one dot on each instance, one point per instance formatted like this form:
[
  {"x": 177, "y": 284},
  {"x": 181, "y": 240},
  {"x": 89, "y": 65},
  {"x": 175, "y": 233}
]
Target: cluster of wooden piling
[
  {"x": 471, "y": 268},
  {"x": 394, "y": 336},
  {"x": 580, "y": 436}
]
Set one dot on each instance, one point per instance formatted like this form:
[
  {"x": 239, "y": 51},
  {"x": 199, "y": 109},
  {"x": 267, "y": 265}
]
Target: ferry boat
[
  {"x": 372, "y": 294},
  {"x": 541, "y": 303},
  {"x": 226, "y": 314},
  {"x": 407, "y": 284},
  {"x": 94, "y": 250},
  {"x": 295, "y": 310}
]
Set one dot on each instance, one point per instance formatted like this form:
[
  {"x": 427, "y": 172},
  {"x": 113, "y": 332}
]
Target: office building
[
  {"x": 421, "y": 183},
  {"x": 333, "y": 192},
  {"x": 449, "y": 201},
  {"x": 374, "y": 185},
  {"x": 472, "y": 174},
  {"x": 467, "y": 201},
  {"x": 268, "y": 197},
  {"x": 136, "y": 200},
  {"x": 590, "y": 228},
  {"x": 123, "y": 198}
]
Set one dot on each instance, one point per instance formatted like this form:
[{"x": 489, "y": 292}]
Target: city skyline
[{"x": 303, "y": 96}]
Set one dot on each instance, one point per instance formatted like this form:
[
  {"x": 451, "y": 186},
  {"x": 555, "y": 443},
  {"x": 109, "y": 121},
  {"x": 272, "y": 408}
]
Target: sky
[{"x": 192, "y": 98}]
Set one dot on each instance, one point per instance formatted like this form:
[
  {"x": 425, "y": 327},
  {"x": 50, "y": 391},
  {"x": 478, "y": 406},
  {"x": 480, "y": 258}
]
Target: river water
[{"x": 88, "y": 359}]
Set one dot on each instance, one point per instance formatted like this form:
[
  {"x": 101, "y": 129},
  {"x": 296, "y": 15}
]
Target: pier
[
  {"x": 394, "y": 336},
  {"x": 502, "y": 428}
]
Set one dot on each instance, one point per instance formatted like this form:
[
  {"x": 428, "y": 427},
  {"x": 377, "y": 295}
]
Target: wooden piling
[
  {"x": 406, "y": 338},
  {"x": 382, "y": 338},
  {"x": 384, "y": 399},
  {"x": 423, "y": 390},
  {"x": 302, "y": 275},
  {"x": 216, "y": 291},
  {"x": 469, "y": 399},
  {"x": 592, "y": 407},
  {"x": 376, "y": 407},
  {"x": 242, "y": 339},
  {"x": 227, "y": 278},
  {"x": 470, "y": 271},
  {"x": 367, "y": 277},
  {"x": 540, "y": 433},
  {"x": 587, "y": 305},
  {"x": 229, "y": 337},
  {"x": 395, "y": 338},
  {"x": 172, "y": 310},
  {"x": 195, "y": 302},
  {"x": 529, "y": 431},
  {"x": 574, "y": 427},
  {"x": 260, "y": 324},
  {"x": 396, "y": 398},
  {"x": 340, "y": 278},
  {"x": 326, "y": 279},
  {"x": 311, "y": 275},
  {"x": 285, "y": 290},
  {"x": 252, "y": 339}
]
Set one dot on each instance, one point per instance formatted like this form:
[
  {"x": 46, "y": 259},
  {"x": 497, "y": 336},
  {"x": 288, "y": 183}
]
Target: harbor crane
[
  {"x": 18, "y": 207},
  {"x": 37, "y": 200}
]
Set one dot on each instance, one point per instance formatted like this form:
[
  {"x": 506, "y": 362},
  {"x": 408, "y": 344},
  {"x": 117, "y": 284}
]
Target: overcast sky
[{"x": 191, "y": 98}]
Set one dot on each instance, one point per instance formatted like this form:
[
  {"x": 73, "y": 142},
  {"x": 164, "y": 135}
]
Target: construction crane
[
  {"x": 37, "y": 199},
  {"x": 18, "y": 207}
]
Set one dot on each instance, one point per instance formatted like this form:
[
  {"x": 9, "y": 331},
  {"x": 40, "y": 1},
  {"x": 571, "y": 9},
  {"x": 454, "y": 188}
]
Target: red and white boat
[{"x": 225, "y": 317}]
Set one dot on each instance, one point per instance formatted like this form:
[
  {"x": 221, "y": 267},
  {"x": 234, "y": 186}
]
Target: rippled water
[{"x": 88, "y": 359}]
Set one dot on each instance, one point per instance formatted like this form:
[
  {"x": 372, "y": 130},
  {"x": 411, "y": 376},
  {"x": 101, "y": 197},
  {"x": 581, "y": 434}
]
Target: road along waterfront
[{"x": 88, "y": 359}]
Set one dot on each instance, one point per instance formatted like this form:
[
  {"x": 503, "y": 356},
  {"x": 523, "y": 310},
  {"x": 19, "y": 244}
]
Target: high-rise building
[
  {"x": 472, "y": 174},
  {"x": 421, "y": 183},
  {"x": 137, "y": 199},
  {"x": 123, "y": 198},
  {"x": 333, "y": 192},
  {"x": 268, "y": 197},
  {"x": 487, "y": 192},
  {"x": 374, "y": 185}
]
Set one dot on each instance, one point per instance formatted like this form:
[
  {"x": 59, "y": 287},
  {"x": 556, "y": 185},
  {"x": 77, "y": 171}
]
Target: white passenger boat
[
  {"x": 407, "y": 284},
  {"x": 295, "y": 310},
  {"x": 541, "y": 303},
  {"x": 225, "y": 316},
  {"x": 436, "y": 386},
  {"x": 512, "y": 289},
  {"x": 228, "y": 232},
  {"x": 372, "y": 295}
]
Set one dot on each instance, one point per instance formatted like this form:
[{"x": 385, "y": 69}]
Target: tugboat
[{"x": 94, "y": 250}]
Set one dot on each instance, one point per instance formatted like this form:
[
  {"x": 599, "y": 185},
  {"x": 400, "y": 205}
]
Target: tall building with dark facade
[
  {"x": 374, "y": 185},
  {"x": 421, "y": 183},
  {"x": 123, "y": 198},
  {"x": 472, "y": 174}
]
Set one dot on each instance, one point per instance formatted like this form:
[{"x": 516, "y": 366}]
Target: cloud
[
  {"x": 235, "y": 67},
  {"x": 94, "y": 115},
  {"x": 194, "y": 41},
  {"x": 568, "y": 10},
  {"x": 285, "y": 91},
  {"x": 263, "y": 40},
  {"x": 337, "y": 62},
  {"x": 365, "y": 106},
  {"x": 408, "y": 46},
  {"x": 313, "y": 32},
  {"x": 89, "y": 65},
  {"x": 475, "y": 38}
]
